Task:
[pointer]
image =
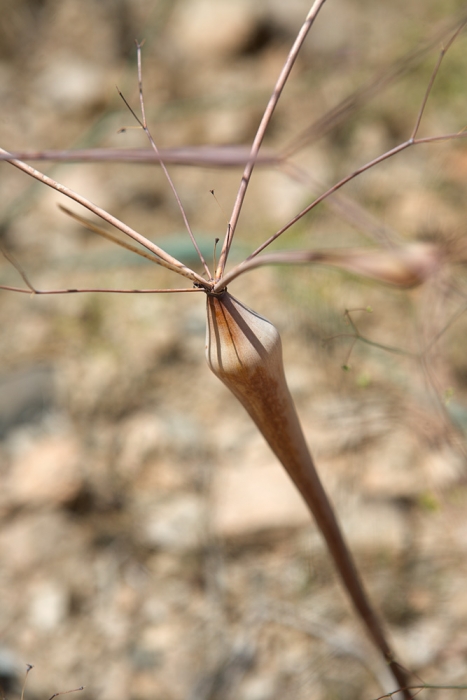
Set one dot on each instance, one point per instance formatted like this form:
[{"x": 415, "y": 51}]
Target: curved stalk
[
  {"x": 163, "y": 258},
  {"x": 405, "y": 267},
  {"x": 244, "y": 351}
]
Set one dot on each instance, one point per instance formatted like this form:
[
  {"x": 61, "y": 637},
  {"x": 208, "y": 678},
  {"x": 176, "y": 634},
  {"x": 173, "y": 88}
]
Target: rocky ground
[{"x": 150, "y": 545}]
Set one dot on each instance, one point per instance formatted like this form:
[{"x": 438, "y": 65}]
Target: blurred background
[{"x": 150, "y": 545}]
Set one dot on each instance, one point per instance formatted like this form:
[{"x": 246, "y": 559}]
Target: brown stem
[
  {"x": 244, "y": 350},
  {"x": 165, "y": 260},
  {"x": 258, "y": 140}
]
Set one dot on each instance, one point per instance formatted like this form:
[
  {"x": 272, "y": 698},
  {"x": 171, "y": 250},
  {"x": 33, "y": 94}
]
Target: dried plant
[{"x": 243, "y": 349}]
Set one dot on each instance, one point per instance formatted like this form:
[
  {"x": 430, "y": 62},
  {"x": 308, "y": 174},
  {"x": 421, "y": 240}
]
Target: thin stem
[
  {"x": 462, "y": 134},
  {"x": 339, "y": 642},
  {"x": 66, "y": 692},
  {"x": 143, "y": 123},
  {"x": 434, "y": 73},
  {"x": 403, "y": 266},
  {"x": 234, "y": 156},
  {"x": 11, "y": 259},
  {"x": 347, "y": 208},
  {"x": 330, "y": 191},
  {"x": 29, "y": 668},
  {"x": 281, "y": 82},
  {"x": 167, "y": 260},
  {"x": 363, "y": 94},
  {"x": 196, "y": 156},
  {"x": 166, "y": 172},
  {"x": 371, "y": 164},
  {"x": 388, "y": 154},
  {"x": 139, "y": 46},
  {"x": 445, "y": 328},
  {"x": 109, "y": 236},
  {"x": 424, "y": 686},
  {"x": 388, "y": 348},
  {"x": 33, "y": 291}
]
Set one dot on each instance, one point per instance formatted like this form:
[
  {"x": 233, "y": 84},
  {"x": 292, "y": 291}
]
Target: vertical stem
[
  {"x": 244, "y": 351},
  {"x": 281, "y": 81}
]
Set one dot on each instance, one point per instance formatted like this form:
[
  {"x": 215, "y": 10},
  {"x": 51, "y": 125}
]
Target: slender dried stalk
[
  {"x": 404, "y": 267},
  {"x": 163, "y": 258},
  {"x": 258, "y": 140}
]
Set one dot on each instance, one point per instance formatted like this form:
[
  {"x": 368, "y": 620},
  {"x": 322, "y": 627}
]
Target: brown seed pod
[{"x": 244, "y": 351}]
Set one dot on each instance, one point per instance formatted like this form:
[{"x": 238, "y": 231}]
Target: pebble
[
  {"x": 254, "y": 497},
  {"x": 48, "y": 605},
  {"x": 46, "y": 472},
  {"x": 69, "y": 83},
  {"x": 211, "y": 29},
  {"x": 420, "y": 643},
  {"x": 176, "y": 524},
  {"x": 36, "y": 539}
]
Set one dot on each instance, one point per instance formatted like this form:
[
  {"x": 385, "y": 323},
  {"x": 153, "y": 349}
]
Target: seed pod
[
  {"x": 244, "y": 351},
  {"x": 405, "y": 267}
]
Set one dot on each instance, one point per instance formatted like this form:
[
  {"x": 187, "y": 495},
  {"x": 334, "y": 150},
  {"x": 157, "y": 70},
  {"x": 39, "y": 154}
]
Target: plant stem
[{"x": 244, "y": 351}]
